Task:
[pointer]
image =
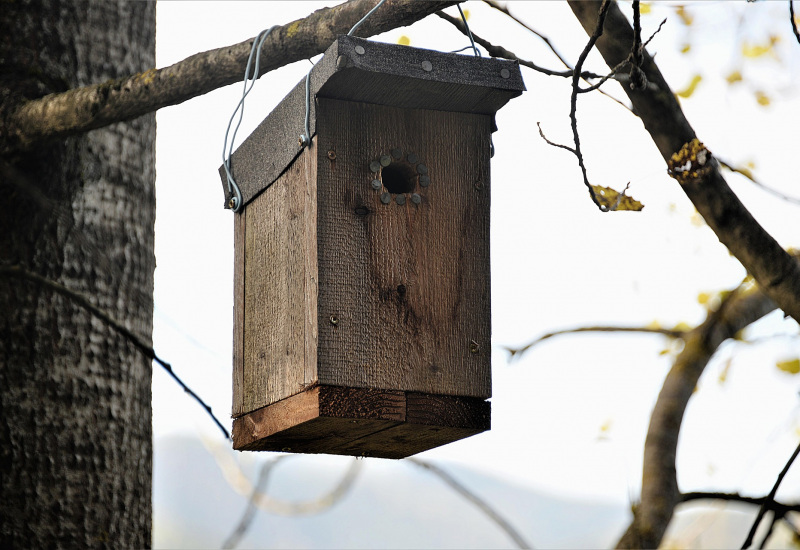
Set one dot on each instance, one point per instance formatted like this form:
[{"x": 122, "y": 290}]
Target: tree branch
[
  {"x": 671, "y": 333},
  {"x": 481, "y": 504},
  {"x": 26, "y": 123},
  {"x": 736, "y": 497},
  {"x": 773, "y": 268},
  {"x": 660, "y": 494},
  {"x": 769, "y": 499}
]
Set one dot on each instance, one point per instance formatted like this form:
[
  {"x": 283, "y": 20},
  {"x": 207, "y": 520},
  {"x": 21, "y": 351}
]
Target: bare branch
[
  {"x": 482, "y": 505},
  {"x": 671, "y": 333},
  {"x": 793, "y": 21},
  {"x": 660, "y": 494},
  {"x": 765, "y": 505},
  {"x": 736, "y": 497},
  {"x": 138, "y": 343},
  {"x": 777, "y": 273},
  {"x": 748, "y": 175},
  {"x": 26, "y": 123}
]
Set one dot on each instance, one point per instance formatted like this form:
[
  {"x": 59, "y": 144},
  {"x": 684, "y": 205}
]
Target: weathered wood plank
[
  {"x": 278, "y": 290},
  {"x": 360, "y": 422},
  {"x": 239, "y": 256},
  {"x": 407, "y": 285}
]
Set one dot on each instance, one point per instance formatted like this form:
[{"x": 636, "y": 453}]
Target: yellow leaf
[
  {"x": 703, "y": 298},
  {"x": 404, "y": 40},
  {"x": 689, "y": 90},
  {"x": 792, "y": 366},
  {"x": 686, "y": 18},
  {"x": 686, "y": 48},
  {"x": 756, "y": 50},
  {"x": 723, "y": 375},
  {"x": 762, "y": 98},
  {"x": 734, "y": 77},
  {"x": 613, "y": 200},
  {"x": 466, "y": 15},
  {"x": 645, "y": 8},
  {"x": 654, "y": 325},
  {"x": 682, "y": 327}
]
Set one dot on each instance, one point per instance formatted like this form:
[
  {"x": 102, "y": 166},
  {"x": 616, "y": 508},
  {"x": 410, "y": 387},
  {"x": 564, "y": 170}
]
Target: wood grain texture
[
  {"x": 238, "y": 313},
  {"x": 408, "y": 285},
  {"x": 279, "y": 289},
  {"x": 360, "y": 422}
]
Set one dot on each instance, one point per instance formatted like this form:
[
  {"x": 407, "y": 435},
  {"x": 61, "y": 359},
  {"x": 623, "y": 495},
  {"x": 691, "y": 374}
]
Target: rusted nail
[
  {"x": 332, "y": 154},
  {"x": 474, "y": 347}
]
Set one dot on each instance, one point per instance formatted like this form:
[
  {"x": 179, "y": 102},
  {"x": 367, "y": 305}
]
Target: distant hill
[{"x": 392, "y": 504}]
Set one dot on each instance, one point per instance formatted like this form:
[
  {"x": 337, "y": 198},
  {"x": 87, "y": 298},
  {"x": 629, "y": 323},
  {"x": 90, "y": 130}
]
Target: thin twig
[
  {"x": 638, "y": 78},
  {"x": 553, "y": 143},
  {"x": 736, "y": 497},
  {"x": 598, "y": 31},
  {"x": 671, "y": 333},
  {"x": 138, "y": 343},
  {"x": 775, "y": 518},
  {"x": 793, "y": 21},
  {"x": 748, "y": 175},
  {"x": 765, "y": 505},
  {"x": 482, "y": 505}
]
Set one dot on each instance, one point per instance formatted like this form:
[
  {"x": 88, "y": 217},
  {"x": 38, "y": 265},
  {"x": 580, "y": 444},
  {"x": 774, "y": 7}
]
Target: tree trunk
[{"x": 75, "y": 412}]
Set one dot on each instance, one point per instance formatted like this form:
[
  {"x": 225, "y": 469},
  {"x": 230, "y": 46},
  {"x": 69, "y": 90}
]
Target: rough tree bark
[{"x": 75, "y": 413}]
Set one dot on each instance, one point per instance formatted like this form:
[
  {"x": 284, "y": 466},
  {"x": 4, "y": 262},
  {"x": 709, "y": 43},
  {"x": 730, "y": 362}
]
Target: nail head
[
  {"x": 397, "y": 154},
  {"x": 400, "y": 199},
  {"x": 360, "y": 50},
  {"x": 424, "y": 181},
  {"x": 505, "y": 73},
  {"x": 426, "y": 66},
  {"x": 416, "y": 199},
  {"x": 422, "y": 169},
  {"x": 412, "y": 158},
  {"x": 386, "y": 198},
  {"x": 376, "y": 184},
  {"x": 375, "y": 166},
  {"x": 386, "y": 160}
]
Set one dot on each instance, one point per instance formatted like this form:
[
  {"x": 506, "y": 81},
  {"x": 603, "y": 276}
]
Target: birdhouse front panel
[
  {"x": 362, "y": 321},
  {"x": 403, "y": 233}
]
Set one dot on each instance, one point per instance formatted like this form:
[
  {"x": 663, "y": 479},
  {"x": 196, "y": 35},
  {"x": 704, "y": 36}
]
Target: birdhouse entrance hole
[{"x": 398, "y": 178}]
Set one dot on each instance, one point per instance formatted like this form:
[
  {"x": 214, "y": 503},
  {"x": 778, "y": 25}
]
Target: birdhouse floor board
[{"x": 361, "y": 422}]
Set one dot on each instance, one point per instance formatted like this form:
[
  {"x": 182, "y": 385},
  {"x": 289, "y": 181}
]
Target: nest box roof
[{"x": 355, "y": 69}]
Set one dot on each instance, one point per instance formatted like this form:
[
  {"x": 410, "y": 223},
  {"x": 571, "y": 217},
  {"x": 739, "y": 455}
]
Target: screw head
[
  {"x": 332, "y": 154},
  {"x": 232, "y": 203},
  {"x": 303, "y": 140},
  {"x": 334, "y": 320}
]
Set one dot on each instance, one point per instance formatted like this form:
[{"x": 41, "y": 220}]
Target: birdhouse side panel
[
  {"x": 279, "y": 320},
  {"x": 403, "y": 230}
]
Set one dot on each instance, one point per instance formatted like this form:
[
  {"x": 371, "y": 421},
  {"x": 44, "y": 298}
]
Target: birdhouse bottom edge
[{"x": 361, "y": 422}]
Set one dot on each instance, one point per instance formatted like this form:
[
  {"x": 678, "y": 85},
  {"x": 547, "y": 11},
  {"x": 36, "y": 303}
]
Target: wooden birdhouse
[{"x": 362, "y": 304}]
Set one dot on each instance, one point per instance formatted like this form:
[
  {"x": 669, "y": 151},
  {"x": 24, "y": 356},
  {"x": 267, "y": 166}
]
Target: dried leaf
[
  {"x": 685, "y": 16},
  {"x": 689, "y": 90},
  {"x": 613, "y": 200},
  {"x": 792, "y": 366},
  {"x": 466, "y": 14},
  {"x": 734, "y": 77},
  {"x": 686, "y": 48},
  {"x": 404, "y": 40},
  {"x": 645, "y": 8},
  {"x": 723, "y": 375},
  {"x": 762, "y": 98},
  {"x": 757, "y": 50}
]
